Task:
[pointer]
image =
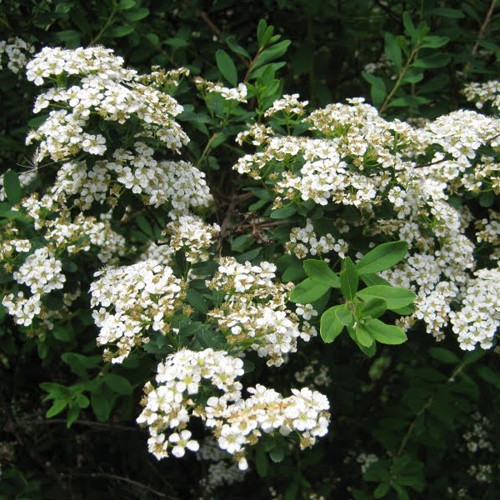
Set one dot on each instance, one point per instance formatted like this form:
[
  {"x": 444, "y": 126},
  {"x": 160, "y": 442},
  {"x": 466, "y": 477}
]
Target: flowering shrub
[{"x": 219, "y": 249}]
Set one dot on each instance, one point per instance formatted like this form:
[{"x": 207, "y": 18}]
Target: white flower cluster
[
  {"x": 304, "y": 241},
  {"x": 254, "y": 311},
  {"x": 128, "y": 301},
  {"x": 236, "y": 422},
  {"x": 479, "y": 317},
  {"x": 481, "y": 93},
  {"x": 488, "y": 231},
  {"x": 356, "y": 158},
  {"x": 220, "y": 471},
  {"x": 157, "y": 182},
  {"x": 11, "y": 244},
  {"x": 477, "y": 435},
  {"x": 193, "y": 236},
  {"x": 25, "y": 310},
  {"x": 41, "y": 272},
  {"x": 257, "y": 135},
  {"x": 161, "y": 78},
  {"x": 365, "y": 460},
  {"x": 84, "y": 232},
  {"x": 288, "y": 104},
  {"x": 179, "y": 379},
  {"x": 316, "y": 373},
  {"x": 17, "y": 51},
  {"x": 230, "y": 94},
  {"x": 107, "y": 90}
]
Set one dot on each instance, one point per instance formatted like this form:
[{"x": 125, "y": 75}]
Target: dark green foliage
[{"x": 410, "y": 401}]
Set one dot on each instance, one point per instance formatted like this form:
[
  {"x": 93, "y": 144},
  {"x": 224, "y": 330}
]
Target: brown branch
[
  {"x": 226, "y": 222},
  {"x": 215, "y": 30},
  {"x": 483, "y": 28}
]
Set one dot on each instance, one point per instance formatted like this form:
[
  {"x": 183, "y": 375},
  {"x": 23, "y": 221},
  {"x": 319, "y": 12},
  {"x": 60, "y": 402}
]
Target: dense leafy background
[{"x": 404, "y": 405}]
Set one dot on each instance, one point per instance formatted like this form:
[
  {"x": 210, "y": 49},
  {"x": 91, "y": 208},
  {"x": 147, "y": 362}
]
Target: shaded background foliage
[{"x": 397, "y": 403}]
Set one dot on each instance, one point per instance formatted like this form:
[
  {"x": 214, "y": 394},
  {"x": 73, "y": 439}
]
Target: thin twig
[
  {"x": 14, "y": 427},
  {"x": 87, "y": 423},
  {"x": 215, "y": 30},
  {"x": 226, "y": 222},
  {"x": 483, "y": 28},
  {"x": 115, "y": 477},
  {"x": 424, "y": 407}
]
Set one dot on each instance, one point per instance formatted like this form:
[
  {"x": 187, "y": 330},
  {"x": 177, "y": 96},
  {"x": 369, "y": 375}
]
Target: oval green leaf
[
  {"x": 363, "y": 335},
  {"x": 395, "y": 297},
  {"x": 319, "y": 271},
  {"x": 12, "y": 186},
  {"x": 226, "y": 67},
  {"x": 349, "y": 279},
  {"x": 385, "y": 334},
  {"x": 330, "y": 325},
  {"x": 382, "y": 257},
  {"x": 308, "y": 291}
]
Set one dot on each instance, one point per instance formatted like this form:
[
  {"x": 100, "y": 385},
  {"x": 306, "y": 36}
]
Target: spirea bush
[{"x": 304, "y": 299}]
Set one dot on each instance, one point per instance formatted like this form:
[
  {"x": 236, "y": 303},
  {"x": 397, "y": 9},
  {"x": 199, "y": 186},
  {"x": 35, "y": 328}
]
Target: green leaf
[
  {"x": 490, "y": 376},
  {"x": 277, "y": 454},
  {"x": 12, "y": 186},
  {"x": 294, "y": 272},
  {"x": 364, "y": 336},
  {"x": 432, "y": 61},
  {"x": 197, "y": 300},
  {"x": 226, "y": 67},
  {"x": 349, "y": 279},
  {"x": 70, "y": 37},
  {"x": 118, "y": 384},
  {"x": 261, "y": 29},
  {"x": 385, "y": 334},
  {"x": 395, "y": 297},
  {"x": 237, "y": 49},
  {"x": 381, "y": 490},
  {"x": 82, "y": 401},
  {"x": 434, "y": 42},
  {"x": 330, "y": 325},
  {"x": 57, "y": 407},
  {"x": 56, "y": 391},
  {"x": 344, "y": 315},
  {"x": 486, "y": 199},
  {"x": 271, "y": 53},
  {"x": 382, "y": 257},
  {"x": 446, "y": 12},
  {"x": 374, "y": 308},
  {"x": 444, "y": 355},
  {"x": 409, "y": 26},
  {"x": 378, "y": 90},
  {"x": 136, "y": 15},
  {"x": 393, "y": 50},
  {"x": 79, "y": 363},
  {"x": 102, "y": 400},
  {"x": 261, "y": 463},
  {"x": 308, "y": 291},
  {"x": 121, "y": 31},
  {"x": 373, "y": 279},
  {"x": 73, "y": 414},
  {"x": 413, "y": 75},
  {"x": 319, "y": 271},
  {"x": 126, "y": 4},
  {"x": 402, "y": 493},
  {"x": 283, "y": 213}
]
